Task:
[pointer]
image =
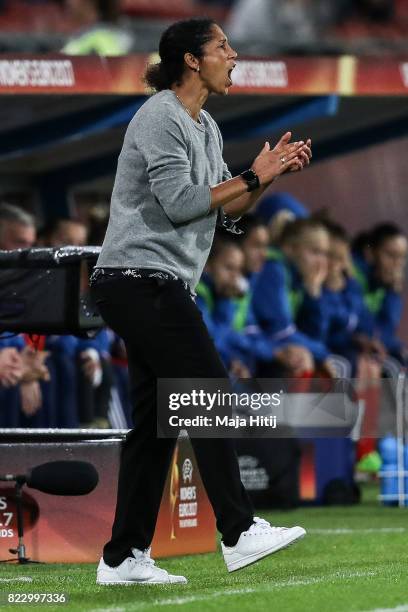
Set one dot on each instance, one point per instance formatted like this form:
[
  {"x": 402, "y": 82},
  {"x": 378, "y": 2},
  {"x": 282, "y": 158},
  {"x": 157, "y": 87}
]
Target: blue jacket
[
  {"x": 7, "y": 340},
  {"x": 347, "y": 315},
  {"x": 72, "y": 345},
  {"x": 285, "y": 311},
  {"x": 384, "y": 306},
  {"x": 232, "y": 325}
]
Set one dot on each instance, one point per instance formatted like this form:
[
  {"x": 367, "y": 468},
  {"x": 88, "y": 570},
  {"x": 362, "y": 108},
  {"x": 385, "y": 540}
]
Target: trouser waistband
[{"x": 99, "y": 273}]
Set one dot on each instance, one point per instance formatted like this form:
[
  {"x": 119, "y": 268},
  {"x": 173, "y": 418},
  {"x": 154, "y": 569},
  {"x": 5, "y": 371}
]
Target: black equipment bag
[
  {"x": 270, "y": 471},
  {"x": 46, "y": 291}
]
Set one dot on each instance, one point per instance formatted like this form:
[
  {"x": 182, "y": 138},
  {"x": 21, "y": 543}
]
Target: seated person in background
[
  {"x": 77, "y": 366},
  {"x": 17, "y": 228},
  {"x": 275, "y": 210},
  {"x": 287, "y": 298},
  {"x": 82, "y": 375},
  {"x": 254, "y": 242},
  {"x": 344, "y": 303},
  {"x": 72, "y": 232},
  {"x": 379, "y": 267},
  {"x": 95, "y": 380},
  {"x": 221, "y": 297},
  {"x": 380, "y": 259},
  {"x": 11, "y": 366},
  {"x": 18, "y": 231},
  {"x": 64, "y": 232},
  {"x": 11, "y": 372},
  {"x": 35, "y": 371},
  {"x": 98, "y": 28},
  {"x": 82, "y": 366},
  {"x": 21, "y": 371}
]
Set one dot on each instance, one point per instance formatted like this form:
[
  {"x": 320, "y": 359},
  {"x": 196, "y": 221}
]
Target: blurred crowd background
[
  {"x": 292, "y": 296},
  {"x": 260, "y": 27}
]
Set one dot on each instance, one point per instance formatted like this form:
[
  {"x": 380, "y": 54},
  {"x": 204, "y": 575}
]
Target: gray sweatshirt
[{"x": 160, "y": 210}]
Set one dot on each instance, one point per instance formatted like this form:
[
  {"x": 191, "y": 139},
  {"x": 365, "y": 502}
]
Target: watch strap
[{"x": 251, "y": 179}]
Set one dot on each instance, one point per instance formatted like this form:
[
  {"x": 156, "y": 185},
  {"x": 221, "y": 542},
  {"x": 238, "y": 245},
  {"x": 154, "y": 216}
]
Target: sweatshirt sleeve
[{"x": 163, "y": 144}]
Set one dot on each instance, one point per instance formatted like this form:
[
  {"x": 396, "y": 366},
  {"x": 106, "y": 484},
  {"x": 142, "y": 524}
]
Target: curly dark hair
[
  {"x": 383, "y": 232},
  {"x": 188, "y": 36}
]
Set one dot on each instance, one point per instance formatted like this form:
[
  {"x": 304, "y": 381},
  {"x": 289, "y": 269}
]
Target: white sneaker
[
  {"x": 260, "y": 540},
  {"x": 139, "y": 569}
]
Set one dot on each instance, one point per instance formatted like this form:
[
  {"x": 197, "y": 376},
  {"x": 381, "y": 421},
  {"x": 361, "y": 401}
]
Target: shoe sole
[{"x": 250, "y": 559}]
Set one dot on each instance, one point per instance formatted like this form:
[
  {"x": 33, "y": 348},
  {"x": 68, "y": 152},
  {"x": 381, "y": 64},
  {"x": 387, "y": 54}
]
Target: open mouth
[{"x": 229, "y": 73}]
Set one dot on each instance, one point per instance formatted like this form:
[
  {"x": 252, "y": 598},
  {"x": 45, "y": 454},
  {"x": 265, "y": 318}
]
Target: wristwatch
[{"x": 251, "y": 179}]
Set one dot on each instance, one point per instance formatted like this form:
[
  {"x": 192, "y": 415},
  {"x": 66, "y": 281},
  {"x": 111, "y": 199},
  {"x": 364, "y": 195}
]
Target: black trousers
[{"x": 165, "y": 337}]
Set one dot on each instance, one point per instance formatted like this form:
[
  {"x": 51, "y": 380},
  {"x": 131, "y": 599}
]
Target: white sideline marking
[
  {"x": 274, "y": 585},
  {"x": 356, "y": 531},
  {"x": 20, "y": 578},
  {"x": 403, "y": 608}
]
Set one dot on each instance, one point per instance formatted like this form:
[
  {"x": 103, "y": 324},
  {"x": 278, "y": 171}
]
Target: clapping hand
[
  {"x": 286, "y": 156},
  {"x": 11, "y": 367},
  {"x": 34, "y": 367}
]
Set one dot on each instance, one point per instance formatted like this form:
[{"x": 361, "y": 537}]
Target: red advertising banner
[
  {"x": 285, "y": 75},
  {"x": 282, "y": 76},
  {"x": 66, "y": 75},
  {"x": 74, "y": 529},
  {"x": 382, "y": 77}
]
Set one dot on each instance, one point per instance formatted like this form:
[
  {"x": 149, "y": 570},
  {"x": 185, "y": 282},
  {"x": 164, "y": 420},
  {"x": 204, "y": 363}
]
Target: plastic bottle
[{"x": 388, "y": 449}]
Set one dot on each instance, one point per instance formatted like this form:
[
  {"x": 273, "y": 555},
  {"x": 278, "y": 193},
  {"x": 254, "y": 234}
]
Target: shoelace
[
  {"x": 143, "y": 558},
  {"x": 261, "y": 524}
]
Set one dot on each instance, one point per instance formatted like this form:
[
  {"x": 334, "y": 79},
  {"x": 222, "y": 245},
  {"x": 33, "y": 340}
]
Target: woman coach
[{"x": 170, "y": 184}]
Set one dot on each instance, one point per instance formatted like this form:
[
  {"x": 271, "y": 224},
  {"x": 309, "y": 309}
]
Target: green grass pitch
[{"x": 353, "y": 558}]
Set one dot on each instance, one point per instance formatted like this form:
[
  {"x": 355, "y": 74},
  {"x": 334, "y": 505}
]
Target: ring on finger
[{"x": 283, "y": 160}]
